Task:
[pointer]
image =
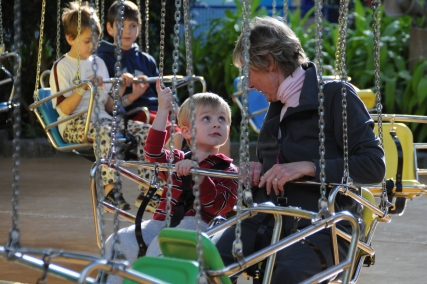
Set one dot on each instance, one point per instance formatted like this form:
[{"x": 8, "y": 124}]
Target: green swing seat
[{"x": 178, "y": 264}]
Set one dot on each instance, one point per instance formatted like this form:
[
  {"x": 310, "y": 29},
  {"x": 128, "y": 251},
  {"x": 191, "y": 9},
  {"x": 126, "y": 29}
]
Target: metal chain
[
  {"x": 273, "y": 8},
  {"x": 2, "y": 47},
  {"x": 46, "y": 262},
  {"x": 138, "y": 2},
  {"x": 343, "y": 73},
  {"x": 162, "y": 39},
  {"x": 337, "y": 62},
  {"x": 102, "y": 20},
  {"x": 323, "y": 202},
  {"x": 285, "y": 10},
  {"x": 376, "y": 12},
  {"x": 174, "y": 106},
  {"x": 196, "y": 187},
  {"x": 99, "y": 187},
  {"x": 14, "y": 233},
  {"x": 147, "y": 26},
  {"x": 244, "y": 134},
  {"x": 39, "y": 53},
  {"x": 58, "y": 29},
  {"x": 114, "y": 125},
  {"x": 79, "y": 32}
]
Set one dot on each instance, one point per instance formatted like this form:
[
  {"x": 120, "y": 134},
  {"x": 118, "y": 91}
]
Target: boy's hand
[
  {"x": 99, "y": 80},
  {"x": 127, "y": 80},
  {"x": 164, "y": 97},
  {"x": 139, "y": 88},
  {"x": 183, "y": 167}
]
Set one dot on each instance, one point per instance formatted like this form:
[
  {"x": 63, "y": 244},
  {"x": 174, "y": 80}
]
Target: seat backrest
[
  {"x": 169, "y": 270},
  {"x": 49, "y": 116},
  {"x": 182, "y": 244},
  {"x": 256, "y": 103},
  {"x": 367, "y": 215},
  {"x": 406, "y": 139}
]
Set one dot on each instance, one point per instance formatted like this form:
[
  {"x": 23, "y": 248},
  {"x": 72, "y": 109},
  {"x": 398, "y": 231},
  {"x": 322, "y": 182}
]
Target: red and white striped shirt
[{"x": 217, "y": 195}]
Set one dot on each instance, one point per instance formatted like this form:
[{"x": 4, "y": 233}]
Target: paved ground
[{"x": 55, "y": 212}]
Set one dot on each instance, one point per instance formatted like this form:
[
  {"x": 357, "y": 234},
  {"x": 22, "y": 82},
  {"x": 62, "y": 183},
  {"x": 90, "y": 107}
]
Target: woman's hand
[
  {"x": 279, "y": 174},
  {"x": 255, "y": 169}
]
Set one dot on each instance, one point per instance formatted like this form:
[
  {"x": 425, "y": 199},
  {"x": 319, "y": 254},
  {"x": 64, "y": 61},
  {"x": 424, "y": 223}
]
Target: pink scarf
[{"x": 290, "y": 90}]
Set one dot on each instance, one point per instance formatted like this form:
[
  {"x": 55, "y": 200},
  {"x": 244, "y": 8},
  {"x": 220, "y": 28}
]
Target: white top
[{"x": 62, "y": 76}]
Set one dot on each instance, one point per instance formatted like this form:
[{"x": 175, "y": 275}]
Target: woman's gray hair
[{"x": 270, "y": 36}]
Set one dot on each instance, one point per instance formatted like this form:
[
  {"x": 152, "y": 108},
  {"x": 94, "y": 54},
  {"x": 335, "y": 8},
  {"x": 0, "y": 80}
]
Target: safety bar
[{"x": 18, "y": 255}]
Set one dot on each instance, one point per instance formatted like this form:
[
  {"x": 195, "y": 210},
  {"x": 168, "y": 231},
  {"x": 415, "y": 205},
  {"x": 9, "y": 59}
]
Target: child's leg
[
  {"x": 188, "y": 223},
  {"x": 128, "y": 246},
  {"x": 74, "y": 132}
]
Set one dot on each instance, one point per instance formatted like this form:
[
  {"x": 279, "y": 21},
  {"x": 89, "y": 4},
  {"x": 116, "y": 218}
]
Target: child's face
[
  {"x": 85, "y": 44},
  {"x": 130, "y": 33},
  {"x": 212, "y": 128}
]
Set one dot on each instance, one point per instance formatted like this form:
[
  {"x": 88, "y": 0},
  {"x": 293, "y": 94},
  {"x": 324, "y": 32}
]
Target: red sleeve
[
  {"x": 154, "y": 151},
  {"x": 218, "y": 195}
]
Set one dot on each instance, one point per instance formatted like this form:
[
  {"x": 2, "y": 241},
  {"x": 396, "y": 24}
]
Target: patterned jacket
[{"x": 217, "y": 195}]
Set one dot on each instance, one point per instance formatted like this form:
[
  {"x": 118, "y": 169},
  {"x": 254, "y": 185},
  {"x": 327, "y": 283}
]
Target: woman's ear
[{"x": 271, "y": 65}]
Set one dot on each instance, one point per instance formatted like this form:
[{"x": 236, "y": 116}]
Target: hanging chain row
[
  {"x": 285, "y": 10},
  {"x": 14, "y": 233},
  {"x": 322, "y": 150},
  {"x": 162, "y": 39}
]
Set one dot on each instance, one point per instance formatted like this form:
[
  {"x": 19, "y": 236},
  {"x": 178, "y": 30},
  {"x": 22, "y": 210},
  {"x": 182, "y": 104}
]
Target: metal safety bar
[{"x": 4, "y": 107}]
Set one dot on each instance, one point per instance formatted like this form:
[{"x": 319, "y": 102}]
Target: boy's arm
[
  {"x": 218, "y": 195},
  {"x": 165, "y": 106}
]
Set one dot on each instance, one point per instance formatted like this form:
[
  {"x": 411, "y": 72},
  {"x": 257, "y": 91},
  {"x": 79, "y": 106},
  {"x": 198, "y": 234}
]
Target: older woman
[{"x": 288, "y": 149}]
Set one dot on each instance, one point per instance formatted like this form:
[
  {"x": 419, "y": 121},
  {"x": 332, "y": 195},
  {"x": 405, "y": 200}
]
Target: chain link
[
  {"x": 273, "y": 8},
  {"x": 39, "y": 53},
  {"x": 2, "y": 46},
  {"x": 14, "y": 233},
  {"x": 285, "y": 10},
  {"x": 147, "y": 26},
  {"x": 322, "y": 151},
  {"x": 102, "y": 20},
  {"x": 58, "y": 29},
  {"x": 138, "y": 2},
  {"x": 79, "y": 33},
  {"x": 162, "y": 40}
]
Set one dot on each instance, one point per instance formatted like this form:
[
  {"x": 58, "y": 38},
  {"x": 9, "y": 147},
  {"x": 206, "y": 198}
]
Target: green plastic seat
[
  {"x": 170, "y": 270},
  {"x": 178, "y": 243}
]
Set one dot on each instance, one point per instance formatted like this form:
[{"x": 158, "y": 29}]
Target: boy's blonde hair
[
  {"x": 131, "y": 12},
  {"x": 70, "y": 19},
  {"x": 201, "y": 100}
]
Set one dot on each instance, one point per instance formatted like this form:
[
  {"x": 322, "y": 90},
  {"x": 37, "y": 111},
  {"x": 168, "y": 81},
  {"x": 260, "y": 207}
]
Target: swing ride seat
[
  {"x": 177, "y": 243},
  {"x": 411, "y": 187},
  {"x": 48, "y": 117}
]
